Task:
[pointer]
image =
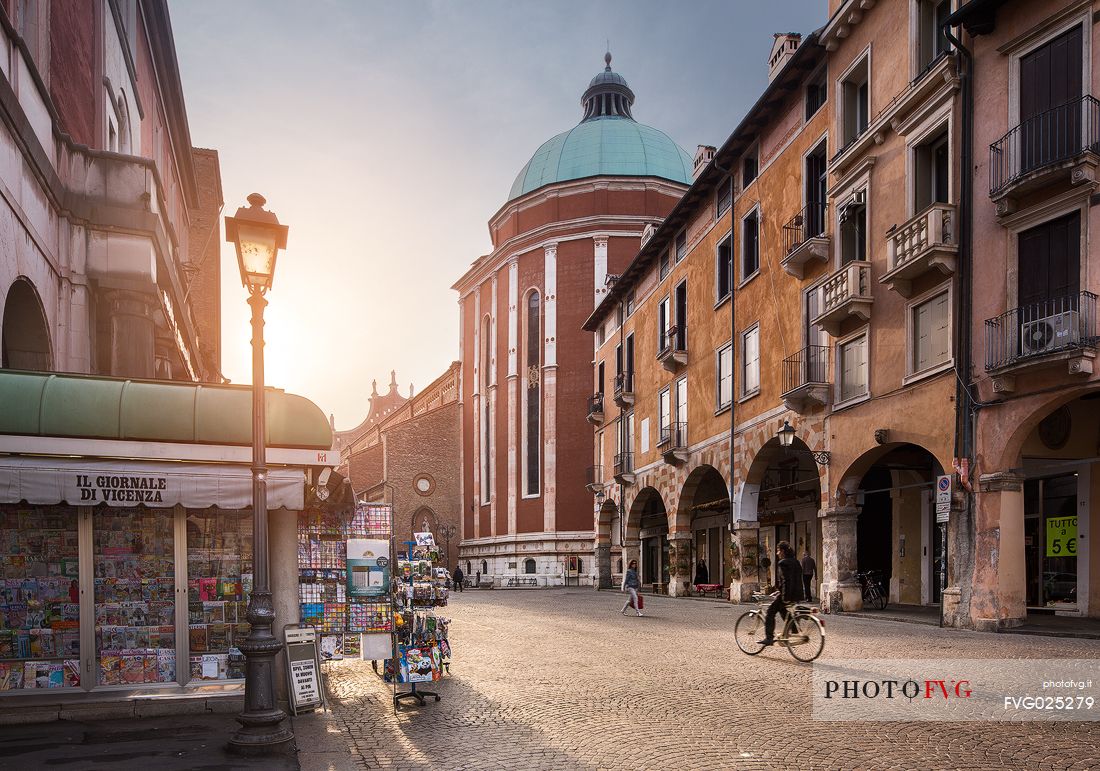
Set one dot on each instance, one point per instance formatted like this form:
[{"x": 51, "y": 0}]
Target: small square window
[
  {"x": 681, "y": 245},
  {"x": 816, "y": 93},
  {"x": 749, "y": 169},
  {"x": 664, "y": 265},
  {"x": 725, "y": 196}
]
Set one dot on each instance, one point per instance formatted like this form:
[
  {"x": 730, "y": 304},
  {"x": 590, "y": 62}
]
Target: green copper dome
[{"x": 607, "y": 142}]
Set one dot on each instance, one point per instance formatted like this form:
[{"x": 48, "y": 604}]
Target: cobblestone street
[{"x": 559, "y": 679}]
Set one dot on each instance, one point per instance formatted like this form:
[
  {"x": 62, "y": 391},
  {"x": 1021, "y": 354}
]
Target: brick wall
[
  {"x": 73, "y": 68},
  {"x": 204, "y": 256}
]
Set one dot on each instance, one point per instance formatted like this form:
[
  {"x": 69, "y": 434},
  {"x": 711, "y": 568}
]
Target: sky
[{"x": 386, "y": 134}]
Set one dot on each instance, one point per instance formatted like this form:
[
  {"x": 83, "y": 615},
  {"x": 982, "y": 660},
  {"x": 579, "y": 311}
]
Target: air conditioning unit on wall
[{"x": 1050, "y": 334}]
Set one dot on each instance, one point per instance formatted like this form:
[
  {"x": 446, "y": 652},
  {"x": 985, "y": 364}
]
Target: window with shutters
[
  {"x": 929, "y": 333},
  {"x": 750, "y": 245},
  {"x": 681, "y": 245},
  {"x": 851, "y": 359},
  {"x": 855, "y": 101},
  {"x": 664, "y": 414},
  {"x": 664, "y": 264},
  {"x": 723, "y": 269},
  {"x": 723, "y": 377},
  {"x": 664, "y": 320},
  {"x": 724, "y": 196},
  {"x": 932, "y": 42},
  {"x": 750, "y": 362}
]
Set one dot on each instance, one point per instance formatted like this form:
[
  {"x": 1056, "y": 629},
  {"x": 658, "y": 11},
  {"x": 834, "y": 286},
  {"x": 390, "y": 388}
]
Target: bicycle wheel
[
  {"x": 806, "y": 637},
  {"x": 881, "y": 600},
  {"x": 748, "y": 631}
]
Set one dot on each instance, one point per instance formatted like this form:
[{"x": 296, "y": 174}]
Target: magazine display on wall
[{"x": 421, "y": 649}]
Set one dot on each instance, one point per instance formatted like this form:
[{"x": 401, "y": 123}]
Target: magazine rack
[{"x": 420, "y": 650}]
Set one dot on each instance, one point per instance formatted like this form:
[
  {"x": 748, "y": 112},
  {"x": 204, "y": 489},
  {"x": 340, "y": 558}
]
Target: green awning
[{"x": 90, "y": 407}]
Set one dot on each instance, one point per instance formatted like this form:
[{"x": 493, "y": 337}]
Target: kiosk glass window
[
  {"x": 219, "y": 580},
  {"x": 39, "y": 598},
  {"x": 135, "y": 610},
  {"x": 1050, "y": 541}
]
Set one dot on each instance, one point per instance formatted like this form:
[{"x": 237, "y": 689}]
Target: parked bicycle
[
  {"x": 803, "y": 633},
  {"x": 874, "y": 591}
]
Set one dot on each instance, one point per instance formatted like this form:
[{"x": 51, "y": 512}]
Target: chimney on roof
[
  {"x": 786, "y": 43},
  {"x": 704, "y": 154}
]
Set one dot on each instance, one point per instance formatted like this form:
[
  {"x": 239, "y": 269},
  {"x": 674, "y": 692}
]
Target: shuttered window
[
  {"x": 931, "y": 344},
  {"x": 725, "y": 376},
  {"x": 852, "y": 360},
  {"x": 750, "y": 361}
]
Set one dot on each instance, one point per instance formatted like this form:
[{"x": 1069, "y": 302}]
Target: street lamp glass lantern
[
  {"x": 786, "y": 434},
  {"x": 258, "y": 237}
]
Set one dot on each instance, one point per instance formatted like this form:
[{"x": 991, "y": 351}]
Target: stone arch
[
  {"x": 424, "y": 515},
  {"x": 647, "y": 535},
  {"x": 606, "y": 538},
  {"x": 1010, "y": 453},
  {"x": 702, "y": 520},
  {"x": 761, "y": 450},
  {"x": 24, "y": 330}
]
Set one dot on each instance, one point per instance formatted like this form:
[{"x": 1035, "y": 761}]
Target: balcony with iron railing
[
  {"x": 1059, "y": 145},
  {"x": 674, "y": 442},
  {"x": 624, "y": 390},
  {"x": 673, "y": 351},
  {"x": 624, "y": 468},
  {"x": 593, "y": 479},
  {"x": 806, "y": 380},
  {"x": 845, "y": 294},
  {"x": 804, "y": 239},
  {"x": 924, "y": 244},
  {"x": 1051, "y": 331},
  {"x": 595, "y": 409}
]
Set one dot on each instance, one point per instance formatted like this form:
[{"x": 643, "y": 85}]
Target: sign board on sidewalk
[
  {"x": 943, "y": 498},
  {"x": 303, "y": 670}
]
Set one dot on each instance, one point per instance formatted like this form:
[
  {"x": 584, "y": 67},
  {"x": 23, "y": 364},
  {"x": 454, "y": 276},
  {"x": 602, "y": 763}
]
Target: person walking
[
  {"x": 632, "y": 584},
  {"x": 809, "y": 573},
  {"x": 458, "y": 576},
  {"x": 477, "y": 581}
]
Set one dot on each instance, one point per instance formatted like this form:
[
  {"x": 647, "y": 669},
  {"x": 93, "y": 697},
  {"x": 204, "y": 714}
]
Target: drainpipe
[
  {"x": 965, "y": 409},
  {"x": 733, "y": 323}
]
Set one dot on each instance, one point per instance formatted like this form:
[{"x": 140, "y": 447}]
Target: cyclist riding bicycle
[{"x": 789, "y": 577}]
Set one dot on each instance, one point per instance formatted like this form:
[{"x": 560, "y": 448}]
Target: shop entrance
[
  {"x": 1050, "y": 541},
  {"x": 1061, "y": 488},
  {"x": 649, "y": 512},
  {"x": 896, "y": 534},
  {"x": 705, "y": 501}
]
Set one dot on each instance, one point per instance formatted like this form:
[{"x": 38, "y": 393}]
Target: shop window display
[
  {"x": 219, "y": 579},
  {"x": 134, "y": 596},
  {"x": 39, "y": 598}
]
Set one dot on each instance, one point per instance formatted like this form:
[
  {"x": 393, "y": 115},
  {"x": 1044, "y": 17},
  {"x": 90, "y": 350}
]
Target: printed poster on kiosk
[{"x": 368, "y": 562}]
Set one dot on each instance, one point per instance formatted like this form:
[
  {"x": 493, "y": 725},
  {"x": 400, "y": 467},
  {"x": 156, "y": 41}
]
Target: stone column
[
  {"x": 839, "y": 588},
  {"x": 131, "y": 333},
  {"x": 999, "y": 594},
  {"x": 744, "y": 558},
  {"x": 283, "y": 561},
  {"x": 679, "y": 564},
  {"x": 603, "y": 562}
]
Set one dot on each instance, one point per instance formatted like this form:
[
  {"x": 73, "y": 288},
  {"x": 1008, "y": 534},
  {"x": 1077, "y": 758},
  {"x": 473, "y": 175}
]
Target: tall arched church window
[
  {"x": 532, "y": 440},
  {"x": 486, "y": 412}
]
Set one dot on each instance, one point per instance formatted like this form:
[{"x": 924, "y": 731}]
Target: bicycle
[
  {"x": 874, "y": 593},
  {"x": 803, "y": 633}
]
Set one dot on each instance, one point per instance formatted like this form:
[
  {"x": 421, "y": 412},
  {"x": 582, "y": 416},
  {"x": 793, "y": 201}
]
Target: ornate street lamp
[
  {"x": 258, "y": 237},
  {"x": 786, "y": 439},
  {"x": 786, "y": 434}
]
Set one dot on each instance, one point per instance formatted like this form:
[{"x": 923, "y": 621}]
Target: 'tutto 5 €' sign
[{"x": 1062, "y": 537}]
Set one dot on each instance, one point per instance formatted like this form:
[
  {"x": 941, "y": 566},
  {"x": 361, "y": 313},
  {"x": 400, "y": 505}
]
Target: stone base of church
[{"x": 529, "y": 560}]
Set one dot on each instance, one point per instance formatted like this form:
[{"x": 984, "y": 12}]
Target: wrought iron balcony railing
[
  {"x": 674, "y": 436},
  {"x": 808, "y": 223},
  {"x": 624, "y": 383},
  {"x": 1030, "y": 331},
  {"x": 810, "y": 366},
  {"x": 595, "y": 404},
  {"x": 673, "y": 339},
  {"x": 624, "y": 463},
  {"x": 1048, "y": 138}
]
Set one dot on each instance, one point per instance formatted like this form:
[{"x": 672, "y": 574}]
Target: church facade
[{"x": 573, "y": 220}]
